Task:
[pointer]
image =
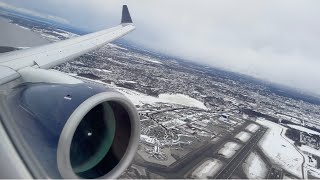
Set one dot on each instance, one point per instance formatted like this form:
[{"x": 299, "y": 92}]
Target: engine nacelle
[{"x": 74, "y": 130}]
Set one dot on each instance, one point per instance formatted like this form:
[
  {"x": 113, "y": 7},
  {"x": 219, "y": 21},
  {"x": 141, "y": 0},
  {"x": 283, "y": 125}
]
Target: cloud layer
[
  {"x": 33, "y": 13},
  {"x": 271, "y": 40}
]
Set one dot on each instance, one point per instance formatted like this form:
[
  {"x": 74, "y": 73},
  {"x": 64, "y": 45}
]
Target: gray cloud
[
  {"x": 33, "y": 13},
  {"x": 271, "y": 40}
]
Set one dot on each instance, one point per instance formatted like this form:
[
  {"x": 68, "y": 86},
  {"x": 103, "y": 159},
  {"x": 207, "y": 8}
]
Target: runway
[
  {"x": 240, "y": 156},
  {"x": 184, "y": 166}
]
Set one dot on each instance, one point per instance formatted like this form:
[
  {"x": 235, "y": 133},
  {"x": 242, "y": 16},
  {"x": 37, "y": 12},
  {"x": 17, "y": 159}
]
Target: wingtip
[{"x": 126, "y": 18}]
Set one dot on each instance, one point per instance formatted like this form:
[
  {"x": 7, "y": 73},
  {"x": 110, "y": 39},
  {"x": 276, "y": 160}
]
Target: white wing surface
[{"x": 50, "y": 55}]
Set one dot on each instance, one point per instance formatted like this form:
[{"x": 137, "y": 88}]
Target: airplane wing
[
  {"x": 55, "y": 126},
  {"x": 50, "y": 55}
]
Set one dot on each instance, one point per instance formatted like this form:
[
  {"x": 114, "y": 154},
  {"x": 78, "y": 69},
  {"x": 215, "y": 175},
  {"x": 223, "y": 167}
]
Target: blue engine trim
[{"x": 40, "y": 112}]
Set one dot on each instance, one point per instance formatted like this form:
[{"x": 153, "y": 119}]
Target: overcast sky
[{"x": 276, "y": 40}]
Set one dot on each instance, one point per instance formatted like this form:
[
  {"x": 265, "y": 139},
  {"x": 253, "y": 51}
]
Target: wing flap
[{"x": 7, "y": 74}]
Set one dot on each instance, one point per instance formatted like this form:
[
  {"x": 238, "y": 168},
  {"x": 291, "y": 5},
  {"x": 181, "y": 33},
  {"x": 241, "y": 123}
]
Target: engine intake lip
[{"x": 64, "y": 145}]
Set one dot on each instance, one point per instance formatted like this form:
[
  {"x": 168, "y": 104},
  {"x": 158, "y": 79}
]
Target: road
[{"x": 241, "y": 155}]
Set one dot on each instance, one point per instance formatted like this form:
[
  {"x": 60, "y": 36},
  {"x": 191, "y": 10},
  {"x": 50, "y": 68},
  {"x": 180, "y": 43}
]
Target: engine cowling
[{"x": 75, "y": 130}]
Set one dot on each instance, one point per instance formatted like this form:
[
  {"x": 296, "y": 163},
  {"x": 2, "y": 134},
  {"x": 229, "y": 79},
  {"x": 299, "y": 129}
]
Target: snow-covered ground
[
  {"x": 173, "y": 123},
  {"x": 227, "y": 153},
  {"x": 116, "y": 46},
  {"x": 229, "y": 149},
  {"x": 103, "y": 70},
  {"x": 22, "y": 27},
  {"x": 139, "y": 99},
  {"x": 66, "y": 34},
  {"x": 183, "y": 100},
  {"x": 50, "y": 37},
  {"x": 232, "y": 145},
  {"x": 252, "y": 128},
  {"x": 117, "y": 62},
  {"x": 148, "y": 59},
  {"x": 254, "y": 167},
  {"x": 207, "y": 169},
  {"x": 23, "y": 47},
  {"x": 280, "y": 151},
  {"x": 126, "y": 81},
  {"x": 303, "y": 129},
  {"x": 243, "y": 136}
]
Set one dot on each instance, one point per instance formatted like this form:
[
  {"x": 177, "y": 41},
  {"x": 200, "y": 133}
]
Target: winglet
[{"x": 125, "y": 15}]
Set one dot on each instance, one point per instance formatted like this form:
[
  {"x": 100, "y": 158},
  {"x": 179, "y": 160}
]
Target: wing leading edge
[{"x": 50, "y": 55}]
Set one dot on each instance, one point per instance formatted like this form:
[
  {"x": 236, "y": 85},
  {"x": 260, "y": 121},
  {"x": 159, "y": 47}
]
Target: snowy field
[
  {"x": 138, "y": 98},
  {"x": 183, "y": 100},
  {"x": 116, "y": 46},
  {"x": 66, "y": 34},
  {"x": 126, "y": 81},
  {"x": 103, "y": 70},
  {"x": 254, "y": 167},
  {"x": 280, "y": 151},
  {"x": 303, "y": 129},
  {"x": 207, "y": 169},
  {"x": 252, "y": 128},
  {"x": 173, "y": 123},
  {"x": 229, "y": 149},
  {"x": 243, "y": 136},
  {"x": 148, "y": 59}
]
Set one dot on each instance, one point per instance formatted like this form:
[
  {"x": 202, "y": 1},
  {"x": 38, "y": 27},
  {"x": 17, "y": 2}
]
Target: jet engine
[{"x": 73, "y": 130}]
